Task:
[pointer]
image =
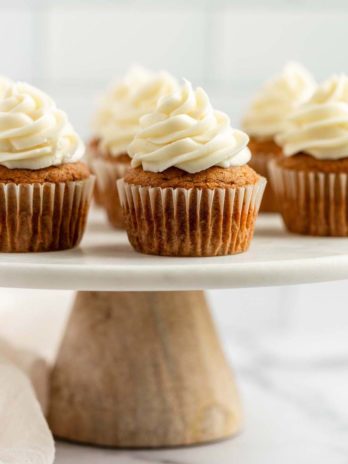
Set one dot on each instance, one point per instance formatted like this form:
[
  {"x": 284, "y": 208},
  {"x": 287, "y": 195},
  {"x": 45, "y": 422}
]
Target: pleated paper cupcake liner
[
  {"x": 260, "y": 163},
  {"x": 43, "y": 217},
  {"x": 107, "y": 174},
  {"x": 312, "y": 203},
  {"x": 190, "y": 222},
  {"x": 90, "y": 156}
]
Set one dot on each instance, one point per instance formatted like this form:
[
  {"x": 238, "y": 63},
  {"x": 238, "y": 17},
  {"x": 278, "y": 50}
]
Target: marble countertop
[
  {"x": 289, "y": 351},
  {"x": 295, "y": 393}
]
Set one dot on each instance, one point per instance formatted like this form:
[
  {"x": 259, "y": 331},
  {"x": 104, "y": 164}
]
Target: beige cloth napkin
[{"x": 24, "y": 435}]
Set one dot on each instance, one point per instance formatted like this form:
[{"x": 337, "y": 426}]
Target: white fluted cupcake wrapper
[
  {"x": 43, "y": 217},
  {"x": 107, "y": 174},
  {"x": 190, "y": 222},
  {"x": 90, "y": 155},
  {"x": 260, "y": 163},
  {"x": 312, "y": 203}
]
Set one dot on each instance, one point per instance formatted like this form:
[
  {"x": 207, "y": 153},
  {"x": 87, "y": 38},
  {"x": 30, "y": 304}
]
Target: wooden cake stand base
[{"x": 142, "y": 369}]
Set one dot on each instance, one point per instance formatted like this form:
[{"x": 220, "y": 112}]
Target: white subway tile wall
[
  {"x": 73, "y": 48},
  {"x": 251, "y": 44},
  {"x": 17, "y": 42},
  {"x": 93, "y": 43}
]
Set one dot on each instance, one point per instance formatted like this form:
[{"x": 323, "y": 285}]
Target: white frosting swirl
[
  {"x": 276, "y": 100},
  {"x": 34, "y": 134},
  {"x": 320, "y": 126},
  {"x": 122, "y": 107},
  {"x": 186, "y": 132}
]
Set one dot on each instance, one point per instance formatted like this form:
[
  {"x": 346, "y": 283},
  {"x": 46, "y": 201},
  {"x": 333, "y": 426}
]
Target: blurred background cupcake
[
  {"x": 190, "y": 191},
  {"x": 116, "y": 124},
  {"x": 265, "y": 118},
  {"x": 311, "y": 180}
]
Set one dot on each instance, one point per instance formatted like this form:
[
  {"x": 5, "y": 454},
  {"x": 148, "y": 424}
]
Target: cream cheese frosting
[
  {"x": 122, "y": 107},
  {"x": 276, "y": 100},
  {"x": 320, "y": 126},
  {"x": 186, "y": 132},
  {"x": 34, "y": 134}
]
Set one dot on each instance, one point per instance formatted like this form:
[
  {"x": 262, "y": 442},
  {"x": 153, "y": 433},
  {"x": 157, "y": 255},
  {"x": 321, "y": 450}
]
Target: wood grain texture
[{"x": 142, "y": 369}]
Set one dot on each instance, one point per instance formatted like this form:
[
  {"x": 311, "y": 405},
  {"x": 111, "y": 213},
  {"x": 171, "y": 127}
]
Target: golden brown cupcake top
[
  {"x": 55, "y": 174},
  {"x": 214, "y": 177},
  {"x": 123, "y": 158},
  {"x": 263, "y": 146},
  {"x": 95, "y": 150},
  {"x": 93, "y": 146},
  {"x": 308, "y": 163}
]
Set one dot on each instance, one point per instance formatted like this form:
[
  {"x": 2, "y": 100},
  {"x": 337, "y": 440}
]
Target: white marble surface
[
  {"x": 290, "y": 356},
  {"x": 295, "y": 395},
  {"x": 106, "y": 261}
]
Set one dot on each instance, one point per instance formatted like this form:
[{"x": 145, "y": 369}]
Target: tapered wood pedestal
[{"x": 142, "y": 369}]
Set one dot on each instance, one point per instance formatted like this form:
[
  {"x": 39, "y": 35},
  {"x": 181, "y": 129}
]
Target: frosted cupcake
[
  {"x": 266, "y": 115},
  {"x": 117, "y": 123},
  {"x": 90, "y": 156},
  {"x": 311, "y": 179},
  {"x": 190, "y": 191},
  {"x": 45, "y": 191}
]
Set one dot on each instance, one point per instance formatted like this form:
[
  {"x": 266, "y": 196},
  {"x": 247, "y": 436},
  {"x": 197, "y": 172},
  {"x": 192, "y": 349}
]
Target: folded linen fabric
[{"x": 24, "y": 435}]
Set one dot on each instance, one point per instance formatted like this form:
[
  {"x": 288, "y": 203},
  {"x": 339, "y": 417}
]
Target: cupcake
[
  {"x": 117, "y": 123},
  {"x": 90, "y": 156},
  {"x": 266, "y": 115},
  {"x": 190, "y": 191},
  {"x": 311, "y": 180},
  {"x": 45, "y": 191}
]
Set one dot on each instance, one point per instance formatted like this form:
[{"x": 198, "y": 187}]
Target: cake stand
[{"x": 140, "y": 364}]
